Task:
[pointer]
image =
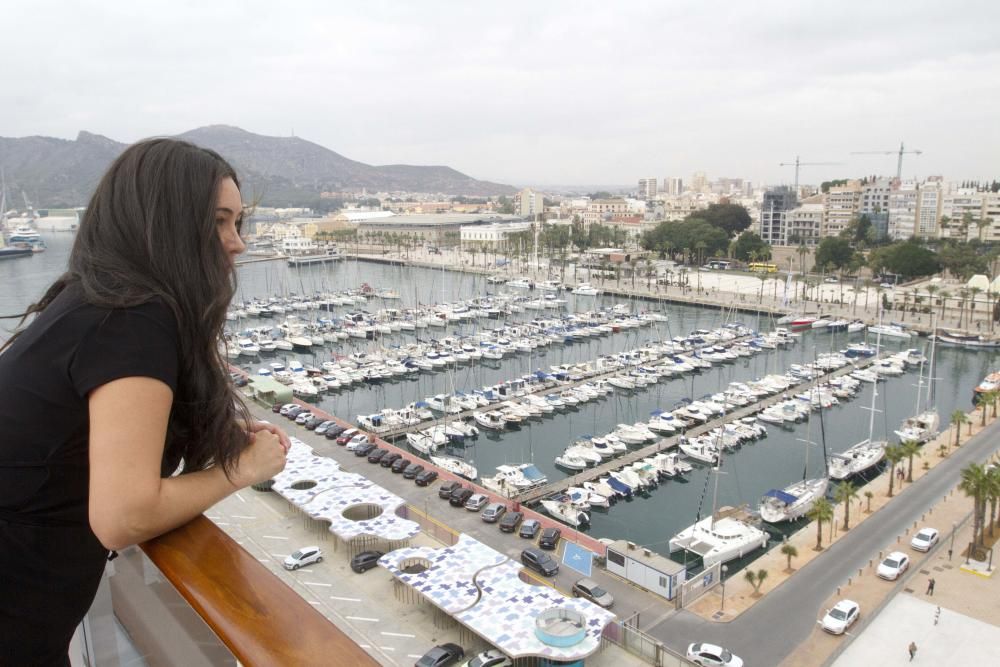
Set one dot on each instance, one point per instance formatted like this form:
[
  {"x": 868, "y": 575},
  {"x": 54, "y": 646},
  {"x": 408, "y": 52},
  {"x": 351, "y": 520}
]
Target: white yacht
[
  {"x": 456, "y": 466},
  {"x": 565, "y": 511},
  {"x": 513, "y": 479},
  {"x": 793, "y": 501},
  {"x": 718, "y": 540},
  {"x": 586, "y": 289}
]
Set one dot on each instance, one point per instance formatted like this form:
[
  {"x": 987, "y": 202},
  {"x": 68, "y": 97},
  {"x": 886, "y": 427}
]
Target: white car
[
  {"x": 926, "y": 538},
  {"x": 303, "y": 417},
  {"x": 894, "y": 565},
  {"x": 841, "y": 617},
  {"x": 302, "y": 557},
  {"x": 710, "y": 654},
  {"x": 491, "y": 658},
  {"x": 357, "y": 441}
]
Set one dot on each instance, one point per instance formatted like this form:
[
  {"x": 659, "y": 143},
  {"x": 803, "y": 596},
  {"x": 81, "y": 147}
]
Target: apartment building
[
  {"x": 903, "y": 204},
  {"x": 773, "y": 214},
  {"x": 699, "y": 182},
  {"x": 840, "y": 206},
  {"x": 529, "y": 203},
  {"x": 929, "y": 202},
  {"x": 804, "y": 223},
  {"x": 647, "y": 189},
  {"x": 673, "y": 186},
  {"x": 601, "y": 210}
]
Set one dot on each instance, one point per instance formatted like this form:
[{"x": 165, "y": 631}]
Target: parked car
[
  {"x": 335, "y": 431},
  {"x": 323, "y": 427},
  {"x": 303, "y": 417},
  {"x": 895, "y": 564},
  {"x": 710, "y": 654},
  {"x": 358, "y": 440},
  {"x": 413, "y": 470},
  {"x": 345, "y": 436},
  {"x": 293, "y": 412},
  {"x": 493, "y": 512},
  {"x": 389, "y": 459},
  {"x": 364, "y": 449},
  {"x": 444, "y": 491},
  {"x": 400, "y": 464},
  {"x": 591, "y": 590},
  {"x": 302, "y": 557},
  {"x": 460, "y": 496},
  {"x": 441, "y": 655},
  {"x": 313, "y": 422},
  {"x": 283, "y": 410},
  {"x": 510, "y": 521},
  {"x": 540, "y": 562},
  {"x": 376, "y": 455},
  {"x": 491, "y": 658},
  {"x": 530, "y": 528},
  {"x": 925, "y": 539},
  {"x": 841, "y": 617},
  {"x": 365, "y": 561},
  {"x": 277, "y": 407},
  {"x": 550, "y": 538},
  {"x": 426, "y": 477},
  {"x": 476, "y": 502}
]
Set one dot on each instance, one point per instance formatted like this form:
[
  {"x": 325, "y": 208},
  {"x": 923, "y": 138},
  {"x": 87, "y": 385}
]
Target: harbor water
[{"x": 773, "y": 462}]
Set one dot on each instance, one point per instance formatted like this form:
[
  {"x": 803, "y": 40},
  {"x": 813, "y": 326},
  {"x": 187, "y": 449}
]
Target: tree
[
  {"x": 893, "y": 454},
  {"x": 909, "y": 449},
  {"x": 958, "y": 417},
  {"x": 820, "y": 512},
  {"x": 789, "y": 551},
  {"x": 834, "y": 252},
  {"x": 908, "y": 259},
  {"x": 730, "y": 218},
  {"x": 755, "y": 579},
  {"x": 845, "y": 493},
  {"x": 868, "y": 496},
  {"x": 687, "y": 234},
  {"x": 974, "y": 484},
  {"x": 993, "y": 494},
  {"x": 749, "y": 243}
]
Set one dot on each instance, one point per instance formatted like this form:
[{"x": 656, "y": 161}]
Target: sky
[{"x": 530, "y": 93}]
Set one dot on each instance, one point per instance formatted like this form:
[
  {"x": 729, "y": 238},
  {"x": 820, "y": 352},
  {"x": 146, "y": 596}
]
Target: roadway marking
[
  {"x": 398, "y": 634},
  {"x": 362, "y": 618},
  {"x": 411, "y": 655},
  {"x": 222, "y": 523},
  {"x": 334, "y": 597},
  {"x": 387, "y": 648},
  {"x": 274, "y": 537},
  {"x": 240, "y": 497},
  {"x": 264, "y": 560},
  {"x": 313, "y": 603},
  {"x": 315, "y": 583},
  {"x": 243, "y": 516}
]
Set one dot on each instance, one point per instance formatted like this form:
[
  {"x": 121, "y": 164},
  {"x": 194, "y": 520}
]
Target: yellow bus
[{"x": 762, "y": 267}]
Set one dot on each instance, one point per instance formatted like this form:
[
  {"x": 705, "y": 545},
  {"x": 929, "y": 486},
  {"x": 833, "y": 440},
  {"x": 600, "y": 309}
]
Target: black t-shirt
[{"x": 50, "y": 560}]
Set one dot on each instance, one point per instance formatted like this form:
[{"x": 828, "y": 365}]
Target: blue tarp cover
[
  {"x": 783, "y": 496},
  {"x": 532, "y": 473},
  {"x": 618, "y": 486}
]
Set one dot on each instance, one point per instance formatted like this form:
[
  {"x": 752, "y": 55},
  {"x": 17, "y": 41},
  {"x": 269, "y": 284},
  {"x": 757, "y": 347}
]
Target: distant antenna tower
[
  {"x": 798, "y": 164},
  {"x": 899, "y": 162}
]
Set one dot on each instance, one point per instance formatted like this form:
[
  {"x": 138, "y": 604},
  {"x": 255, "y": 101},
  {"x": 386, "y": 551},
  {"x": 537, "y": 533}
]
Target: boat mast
[
  {"x": 930, "y": 366},
  {"x": 718, "y": 469}
]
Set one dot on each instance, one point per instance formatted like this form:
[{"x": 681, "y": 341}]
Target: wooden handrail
[{"x": 257, "y": 616}]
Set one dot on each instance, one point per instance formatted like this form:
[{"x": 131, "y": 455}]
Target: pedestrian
[
  {"x": 113, "y": 381},
  {"x": 930, "y": 586},
  {"x": 913, "y": 650}
]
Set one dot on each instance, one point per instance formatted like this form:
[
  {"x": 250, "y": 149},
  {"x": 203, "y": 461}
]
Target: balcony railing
[{"x": 236, "y": 611}]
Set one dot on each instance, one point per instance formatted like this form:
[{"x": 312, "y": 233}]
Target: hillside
[{"x": 282, "y": 171}]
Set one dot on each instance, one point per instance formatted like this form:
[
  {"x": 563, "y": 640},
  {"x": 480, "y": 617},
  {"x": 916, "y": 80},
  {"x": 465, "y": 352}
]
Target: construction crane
[
  {"x": 899, "y": 162},
  {"x": 798, "y": 164}
]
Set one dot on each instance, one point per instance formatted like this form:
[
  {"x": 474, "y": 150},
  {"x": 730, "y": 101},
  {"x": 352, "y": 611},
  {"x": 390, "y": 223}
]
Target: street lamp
[
  {"x": 954, "y": 526},
  {"x": 725, "y": 568}
]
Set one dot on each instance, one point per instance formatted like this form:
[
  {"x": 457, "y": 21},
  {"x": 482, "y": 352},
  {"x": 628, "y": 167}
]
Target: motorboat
[
  {"x": 492, "y": 419},
  {"x": 456, "y": 466},
  {"x": 890, "y": 330},
  {"x": 510, "y": 480},
  {"x": 566, "y": 512},
  {"x": 719, "y": 540},
  {"x": 570, "y": 461},
  {"x": 793, "y": 501},
  {"x": 586, "y": 289}
]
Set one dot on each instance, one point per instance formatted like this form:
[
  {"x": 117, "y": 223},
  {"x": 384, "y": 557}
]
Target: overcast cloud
[{"x": 529, "y": 92}]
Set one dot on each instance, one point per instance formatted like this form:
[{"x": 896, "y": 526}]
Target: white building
[
  {"x": 903, "y": 211},
  {"x": 805, "y": 223},
  {"x": 493, "y": 235},
  {"x": 674, "y": 186},
  {"x": 529, "y": 203},
  {"x": 647, "y": 188},
  {"x": 841, "y": 205}
]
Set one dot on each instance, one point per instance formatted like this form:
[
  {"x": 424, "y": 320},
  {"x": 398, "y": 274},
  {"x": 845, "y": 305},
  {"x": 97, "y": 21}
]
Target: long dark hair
[{"x": 150, "y": 232}]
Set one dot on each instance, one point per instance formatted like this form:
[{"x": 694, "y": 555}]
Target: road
[{"x": 770, "y": 630}]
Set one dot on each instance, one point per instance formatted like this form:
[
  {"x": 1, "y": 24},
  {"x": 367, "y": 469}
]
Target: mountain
[{"x": 279, "y": 171}]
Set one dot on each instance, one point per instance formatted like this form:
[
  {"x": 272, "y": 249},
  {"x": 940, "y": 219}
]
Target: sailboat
[
  {"x": 719, "y": 538},
  {"x": 866, "y": 454},
  {"x": 923, "y": 426},
  {"x": 797, "y": 499}
]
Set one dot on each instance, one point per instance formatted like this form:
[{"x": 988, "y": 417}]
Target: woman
[{"x": 117, "y": 415}]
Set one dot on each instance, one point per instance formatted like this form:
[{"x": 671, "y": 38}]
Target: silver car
[{"x": 591, "y": 590}]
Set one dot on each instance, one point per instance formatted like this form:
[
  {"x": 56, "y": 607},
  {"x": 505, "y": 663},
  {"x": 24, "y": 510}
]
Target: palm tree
[
  {"x": 820, "y": 512},
  {"x": 789, "y": 551},
  {"x": 958, "y": 417},
  {"x": 845, "y": 493},
  {"x": 963, "y": 296},
  {"x": 931, "y": 291},
  {"x": 763, "y": 279},
  {"x": 909, "y": 449},
  {"x": 973, "y": 293},
  {"x": 755, "y": 579},
  {"x": 649, "y": 273},
  {"x": 993, "y": 494},
  {"x": 943, "y": 301},
  {"x": 893, "y": 454},
  {"x": 975, "y": 484},
  {"x": 868, "y": 496}
]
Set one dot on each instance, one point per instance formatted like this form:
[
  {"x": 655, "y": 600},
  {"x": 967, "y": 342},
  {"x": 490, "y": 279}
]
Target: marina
[{"x": 749, "y": 471}]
